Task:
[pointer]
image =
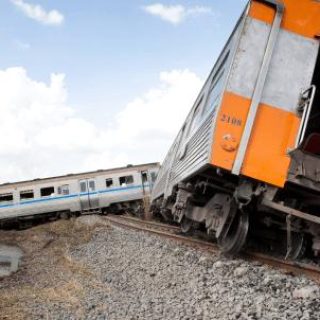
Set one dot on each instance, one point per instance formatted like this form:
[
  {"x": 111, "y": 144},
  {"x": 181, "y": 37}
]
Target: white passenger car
[{"x": 111, "y": 190}]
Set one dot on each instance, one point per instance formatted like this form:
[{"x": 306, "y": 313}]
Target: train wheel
[
  {"x": 234, "y": 239},
  {"x": 186, "y": 225},
  {"x": 298, "y": 246}
]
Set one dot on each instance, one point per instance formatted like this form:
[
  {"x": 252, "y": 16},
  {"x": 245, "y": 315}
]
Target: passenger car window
[
  {"x": 92, "y": 185},
  {"x": 144, "y": 177},
  {"x": 64, "y": 189},
  {"x": 196, "y": 117},
  {"x": 125, "y": 180},
  {"x": 26, "y": 194},
  {"x": 83, "y": 186},
  {"x": 47, "y": 192},
  {"x": 216, "y": 86},
  {"x": 182, "y": 146},
  {"x": 6, "y": 197},
  {"x": 215, "y": 93},
  {"x": 109, "y": 182}
]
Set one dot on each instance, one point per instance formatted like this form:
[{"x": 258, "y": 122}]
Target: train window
[
  {"x": 92, "y": 185},
  {"x": 47, "y": 192},
  {"x": 6, "y": 197},
  {"x": 182, "y": 143},
  {"x": 144, "y": 176},
  {"x": 109, "y": 182},
  {"x": 64, "y": 189},
  {"x": 215, "y": 93},
  {"x": 26, "y": 194},
  {"x": 196, "y": 116},
  {"x": 153, "y": 176},
  {"x": 216, "y": 86},
  {"x": 125, "y": 180},
  {"x": 83, "y": 186}
]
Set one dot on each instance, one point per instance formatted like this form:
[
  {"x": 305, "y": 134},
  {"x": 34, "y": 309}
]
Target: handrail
[
  {"x": 306, "y": 115},
  {"x": 258, "y": 90}
]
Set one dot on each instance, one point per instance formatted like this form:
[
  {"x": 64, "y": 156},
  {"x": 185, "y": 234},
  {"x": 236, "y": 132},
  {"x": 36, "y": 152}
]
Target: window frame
[
  {"x": 49, "y": 195},
  {"x": 126, "y": 180},
  {"x": 60, "y": 190},
  {"x": 218, "y": 75},
  {"x": 196, "y": 116},
  {"x": 144, "y": 177},
  {"x": 26, "y": 192},
  {"x": 153, "y": 176},
  {"x": 90, "y": 187},
  {"x": 108, "y": 186},
  {"x": 83, "y": 183},
  {"x": 10, "y": 194}
]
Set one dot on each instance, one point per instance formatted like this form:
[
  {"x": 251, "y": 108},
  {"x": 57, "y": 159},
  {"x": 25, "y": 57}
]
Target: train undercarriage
[
  {"x": 235, "y": 209},
  {"x": 238, "y": 211}
]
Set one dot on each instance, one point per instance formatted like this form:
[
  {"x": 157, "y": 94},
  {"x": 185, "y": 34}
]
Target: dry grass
[{"x": 49, "y": 273}]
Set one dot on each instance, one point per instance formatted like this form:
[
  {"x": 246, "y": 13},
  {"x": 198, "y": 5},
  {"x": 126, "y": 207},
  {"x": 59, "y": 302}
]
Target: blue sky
[{"x": 112, "y": 52}]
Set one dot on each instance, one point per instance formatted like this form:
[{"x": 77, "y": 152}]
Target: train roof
[{"x": 83, "y": 174}]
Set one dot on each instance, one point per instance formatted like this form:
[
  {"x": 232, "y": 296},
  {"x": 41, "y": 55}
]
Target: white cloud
[
  {"x": 36, "y": 12},
  {"x": 42, "y": 136},
  {"x": 175, "y": 14}
]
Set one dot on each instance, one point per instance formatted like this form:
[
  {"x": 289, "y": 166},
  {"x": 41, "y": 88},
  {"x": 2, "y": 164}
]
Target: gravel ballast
[{"x": 81, "y": 269}]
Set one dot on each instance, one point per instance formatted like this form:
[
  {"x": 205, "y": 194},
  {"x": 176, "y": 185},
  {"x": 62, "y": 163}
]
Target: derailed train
[
  {"x": 106, "y": 191},
  {"x": 248, "y": 154}
]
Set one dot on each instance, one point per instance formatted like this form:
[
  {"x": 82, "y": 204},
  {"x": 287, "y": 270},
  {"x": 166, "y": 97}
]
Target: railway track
[{"x": 174, "y": 233}]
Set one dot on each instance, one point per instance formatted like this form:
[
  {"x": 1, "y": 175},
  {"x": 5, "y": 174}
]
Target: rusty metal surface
[{"x": 281, "y": 208}]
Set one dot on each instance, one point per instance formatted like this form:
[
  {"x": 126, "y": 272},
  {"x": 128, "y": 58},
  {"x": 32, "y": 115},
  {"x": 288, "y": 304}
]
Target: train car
[
  {"x": 103, "y": 191},
  {"x": 248, "y": 153}
]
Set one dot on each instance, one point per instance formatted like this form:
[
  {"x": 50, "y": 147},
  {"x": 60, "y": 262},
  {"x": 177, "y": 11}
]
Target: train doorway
[
  {"x": 89, "y": 198},
  {"x": 308, "y": 138}
]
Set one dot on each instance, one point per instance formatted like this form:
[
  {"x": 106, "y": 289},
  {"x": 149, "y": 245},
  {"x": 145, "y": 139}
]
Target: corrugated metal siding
[
  {"x": 197, "y": 154},
  {"x": 198, "y": 151},
  {"x": 164, "y": 172}
]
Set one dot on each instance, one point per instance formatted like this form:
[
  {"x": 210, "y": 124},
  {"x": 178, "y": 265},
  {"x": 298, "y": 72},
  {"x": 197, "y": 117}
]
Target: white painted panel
[
  {"x": 249, "y": 57},
  {"x": 291, "y": 68}
]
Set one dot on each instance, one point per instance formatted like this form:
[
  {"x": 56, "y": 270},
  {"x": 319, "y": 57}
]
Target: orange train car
[{"x": 247, "y": 158}]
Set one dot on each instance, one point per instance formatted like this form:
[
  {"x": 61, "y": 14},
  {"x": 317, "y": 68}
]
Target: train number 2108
[{"x": 231, "y": 120}]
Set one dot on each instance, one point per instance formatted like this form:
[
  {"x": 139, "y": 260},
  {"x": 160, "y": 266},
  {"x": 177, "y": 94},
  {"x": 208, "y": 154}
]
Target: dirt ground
[{"x": 48, "y": 274}]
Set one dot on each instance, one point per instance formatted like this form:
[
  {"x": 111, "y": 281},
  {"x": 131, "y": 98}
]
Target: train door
[
  {"x": 146, "y": 190},
  {"x": 304, "y": 167},
  {"x": 89, "y": 198},
  {"x": 308, "y": 138},
  {"x": 145, "y": 182}
]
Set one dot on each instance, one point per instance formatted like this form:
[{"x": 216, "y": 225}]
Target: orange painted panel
[
  {"x": 273, "y": 134},
  {"x": 300, "y": 16},
  {"x": 229, "y": 127},
  {"x": 262, "y": 12}
]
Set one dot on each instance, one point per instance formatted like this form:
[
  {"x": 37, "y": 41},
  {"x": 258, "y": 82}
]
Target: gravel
[{"x": 118, "y": 274}]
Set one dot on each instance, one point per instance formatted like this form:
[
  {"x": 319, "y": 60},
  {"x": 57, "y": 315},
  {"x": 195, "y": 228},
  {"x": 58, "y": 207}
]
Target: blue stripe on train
[{"x": 74, "y": 195}]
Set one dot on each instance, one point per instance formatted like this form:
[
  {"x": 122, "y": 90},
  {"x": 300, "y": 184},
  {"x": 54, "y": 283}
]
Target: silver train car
[
  {"x": 248, "y": 152},
  {"x": 104, "y": 191}
]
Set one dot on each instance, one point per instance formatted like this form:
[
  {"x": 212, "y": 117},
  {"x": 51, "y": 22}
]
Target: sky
[{"x": 87, "y": 85}]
